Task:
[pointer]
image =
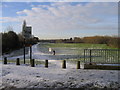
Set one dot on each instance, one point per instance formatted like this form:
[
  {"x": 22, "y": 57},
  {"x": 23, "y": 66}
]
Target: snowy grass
[{"x": 55, "y": 77}]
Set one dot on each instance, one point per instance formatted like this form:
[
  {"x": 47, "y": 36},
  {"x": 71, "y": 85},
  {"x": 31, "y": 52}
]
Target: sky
[{"x": 53, "y": 20}]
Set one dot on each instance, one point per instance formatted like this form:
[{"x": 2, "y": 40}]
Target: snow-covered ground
[
  {"x": 41, "y": 77},
  {"x": 54, "y": 76}
]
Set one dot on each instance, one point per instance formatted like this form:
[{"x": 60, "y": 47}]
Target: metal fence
[{"x": 103, "y": 56}]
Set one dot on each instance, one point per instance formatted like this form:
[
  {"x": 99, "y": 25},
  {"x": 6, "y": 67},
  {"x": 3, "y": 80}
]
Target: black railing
[{"x": 103, "y": 56}]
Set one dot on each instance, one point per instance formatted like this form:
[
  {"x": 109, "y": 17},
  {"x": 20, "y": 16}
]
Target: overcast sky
[{"x": 62, "y": 19}]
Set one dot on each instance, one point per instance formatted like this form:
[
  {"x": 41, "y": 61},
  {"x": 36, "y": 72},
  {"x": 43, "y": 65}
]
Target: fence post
[
  {"x": 46, "y": 63},
  {"x": 5, "y": 60},
  {"x": 78, "y": 64},
  {"x": 84, "y": 55},
  {"x": 64, "y": 64},
  {"x": 18, "y": 61},
  {"x": 32, "y": 63},
  {"x": 118, "y": 56},
  {"x": 90, "y": 58}
]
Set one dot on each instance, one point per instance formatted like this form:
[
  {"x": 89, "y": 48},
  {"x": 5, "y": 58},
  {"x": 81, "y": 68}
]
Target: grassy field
[
  {"x": 71, "y": 48},
  {"x": 78, "y": 45},
  {"x": 78, "y": 49}
]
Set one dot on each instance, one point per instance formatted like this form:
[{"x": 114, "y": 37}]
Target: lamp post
[
  {"x": 30, "y": 52},
  {"x": 24, "y": 50}
]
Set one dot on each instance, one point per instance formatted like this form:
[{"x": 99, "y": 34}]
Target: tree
[
  {"x": 13, "y": 39},
  {"x": 10, "y": 41},
  {"x": 70, "y": 39}
]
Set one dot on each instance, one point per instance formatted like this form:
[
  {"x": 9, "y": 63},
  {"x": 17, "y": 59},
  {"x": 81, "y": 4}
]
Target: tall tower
[
  {"x": 26, "y": 30},
  {"x": 24, "y": 25}
]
